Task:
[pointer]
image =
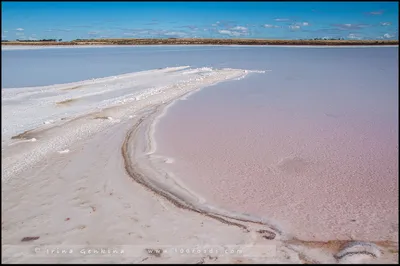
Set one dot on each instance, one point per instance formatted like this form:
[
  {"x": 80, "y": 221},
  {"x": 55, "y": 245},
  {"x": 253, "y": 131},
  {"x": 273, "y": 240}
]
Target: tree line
[{"x": 41, "y": 40}]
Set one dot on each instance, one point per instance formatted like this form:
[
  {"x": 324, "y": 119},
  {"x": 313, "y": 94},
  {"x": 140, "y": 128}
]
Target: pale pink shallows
[{"x": 322, "y": 163}]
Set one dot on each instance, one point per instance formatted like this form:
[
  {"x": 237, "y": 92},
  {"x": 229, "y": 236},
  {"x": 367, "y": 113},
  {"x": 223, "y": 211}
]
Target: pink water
[{"x": 319, "y": 158}]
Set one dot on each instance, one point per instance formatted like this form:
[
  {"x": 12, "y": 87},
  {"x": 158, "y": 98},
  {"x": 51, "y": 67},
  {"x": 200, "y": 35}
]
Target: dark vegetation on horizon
[
  {"x": 198, "y": 41},
  {"x": 42, "y": 40}
]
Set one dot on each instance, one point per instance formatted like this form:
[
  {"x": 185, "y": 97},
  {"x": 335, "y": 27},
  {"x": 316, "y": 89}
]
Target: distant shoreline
[
  {"x": 106, "y": 42},
  {"x": 25, "y": 47}
]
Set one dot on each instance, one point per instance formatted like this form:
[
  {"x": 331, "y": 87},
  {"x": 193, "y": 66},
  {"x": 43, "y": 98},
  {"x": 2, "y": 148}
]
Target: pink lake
[{"x": 312, "y": 145}]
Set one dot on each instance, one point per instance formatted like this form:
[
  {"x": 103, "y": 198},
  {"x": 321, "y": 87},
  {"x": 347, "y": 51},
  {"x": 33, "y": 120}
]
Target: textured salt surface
[
  {"x": 58, "y": 106},
  {"x": 314, "y": 148}
]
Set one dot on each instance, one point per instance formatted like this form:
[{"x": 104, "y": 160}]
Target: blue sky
[{"x": 266, "y": 20}]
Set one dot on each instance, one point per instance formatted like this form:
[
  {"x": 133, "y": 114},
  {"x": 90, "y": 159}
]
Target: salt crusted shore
[{"x": 80, "y": 183}]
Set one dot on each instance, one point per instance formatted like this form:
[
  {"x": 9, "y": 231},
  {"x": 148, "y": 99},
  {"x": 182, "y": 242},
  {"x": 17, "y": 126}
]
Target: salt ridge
[{"x": 62, "y": 105}]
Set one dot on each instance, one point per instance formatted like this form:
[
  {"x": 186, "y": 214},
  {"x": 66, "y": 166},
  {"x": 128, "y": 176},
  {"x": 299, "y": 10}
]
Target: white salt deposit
[
  {"x": 51, "y": 103},
  {"x": 29, "y": 108}
]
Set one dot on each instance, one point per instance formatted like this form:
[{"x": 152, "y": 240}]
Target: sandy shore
[{"x": 78, "y": 184}]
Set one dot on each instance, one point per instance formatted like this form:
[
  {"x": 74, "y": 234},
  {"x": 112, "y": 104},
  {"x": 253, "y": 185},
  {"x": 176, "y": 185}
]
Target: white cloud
[
  {"x": 235, "y": 31},
  {"x": 240, "y": 28},
  {"x": 5, "y": 31},
  {"x": 388, "y": 36},
  {"x": 354, "y": 36},
  {"x": 214, "y": 25},
  {"x": 19, "y": 33},
  {"x": 32, "y": 39},
  {"x": 60, "y": 30},
  {"x": 129, "y": 34},
  {"x": 19, "y": 29},
  {"x": 3, "y": 36},
  {"x": 380, "y": 12},
  {"x": 270, "y": 26},
  {"x": 298, "y": 25},
  {"x": 230, "y": 33},
  {"x": 294, "y": 27},
  {"x": 386, "y": 23},
  {"x": 282, "y": 19}
]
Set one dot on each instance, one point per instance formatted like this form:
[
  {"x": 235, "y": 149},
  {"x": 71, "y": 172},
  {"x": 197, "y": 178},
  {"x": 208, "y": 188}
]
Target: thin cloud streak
[
  {"x": 349, "y": 26},
  {"x": 376, "y": 13},
  {"x": 58, "y": 30},
  {"x": 282, "y": 19},
  {"x": 270, "y": 26}
]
